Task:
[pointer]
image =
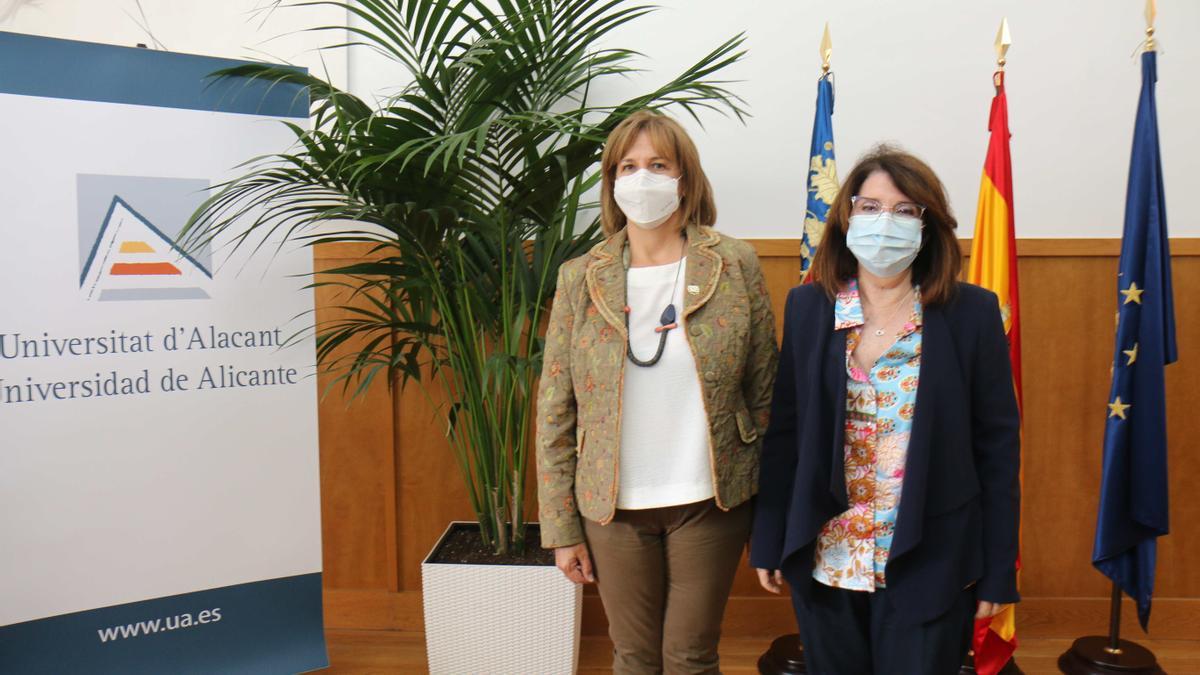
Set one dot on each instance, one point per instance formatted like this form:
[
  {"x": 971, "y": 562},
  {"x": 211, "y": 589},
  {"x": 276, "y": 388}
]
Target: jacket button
[
  {"x": 710, "y": 376},
  {"x": 694, "y": 330}
]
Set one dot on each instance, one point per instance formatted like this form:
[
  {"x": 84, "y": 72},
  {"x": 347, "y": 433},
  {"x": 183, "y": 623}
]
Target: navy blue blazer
[{"x": 960, "y": 501}]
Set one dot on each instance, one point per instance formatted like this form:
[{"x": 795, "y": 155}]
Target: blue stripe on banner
[
  {"x": 86, "y": 71},
  {"x": 272, "y": 626}
]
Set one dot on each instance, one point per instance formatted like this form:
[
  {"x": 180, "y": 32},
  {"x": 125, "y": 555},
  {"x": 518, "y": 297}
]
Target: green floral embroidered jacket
[{"x": 729, "y": 325}]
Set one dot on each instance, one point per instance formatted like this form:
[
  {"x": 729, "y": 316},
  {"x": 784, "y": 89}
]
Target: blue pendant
[{"x": 668, "y": 315}]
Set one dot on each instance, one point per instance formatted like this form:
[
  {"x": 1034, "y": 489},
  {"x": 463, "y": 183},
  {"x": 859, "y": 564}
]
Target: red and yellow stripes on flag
[
  {"x": 993, "y": 265},
  {"x": 993, "y": 262}
]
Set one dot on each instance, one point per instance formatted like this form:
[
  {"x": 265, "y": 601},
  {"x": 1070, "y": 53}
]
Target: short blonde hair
[{"x": 671, "y": 141}]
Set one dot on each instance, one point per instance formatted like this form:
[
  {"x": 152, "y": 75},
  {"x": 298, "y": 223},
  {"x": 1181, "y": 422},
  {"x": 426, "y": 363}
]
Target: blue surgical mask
[{"x": 884, "y": 244}]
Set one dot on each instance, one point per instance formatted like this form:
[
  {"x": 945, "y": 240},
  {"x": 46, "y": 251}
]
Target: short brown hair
[
  {"x": 672, "y": 141},
  {"x": 939, "y": 261}
]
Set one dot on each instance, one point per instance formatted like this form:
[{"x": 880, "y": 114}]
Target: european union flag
[
  {"x": 1133, "y": 489},
  {"x": 822, "y": 175}
]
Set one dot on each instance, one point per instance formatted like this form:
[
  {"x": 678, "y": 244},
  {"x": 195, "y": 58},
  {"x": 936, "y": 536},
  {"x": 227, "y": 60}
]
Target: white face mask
[{"x": 647, "y": 199}]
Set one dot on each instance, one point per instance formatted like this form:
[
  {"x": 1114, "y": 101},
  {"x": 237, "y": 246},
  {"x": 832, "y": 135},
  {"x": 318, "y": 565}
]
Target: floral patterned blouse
[{"x": 852, "y": 549}]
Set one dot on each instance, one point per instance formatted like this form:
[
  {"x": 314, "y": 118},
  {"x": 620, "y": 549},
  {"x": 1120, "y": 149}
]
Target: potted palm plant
[{"x": 469, "y": 188}]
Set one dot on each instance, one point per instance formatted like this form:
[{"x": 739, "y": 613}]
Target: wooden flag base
[
  {"x": 1093, "y": 655},
  {"x": 784, "y": 657}
]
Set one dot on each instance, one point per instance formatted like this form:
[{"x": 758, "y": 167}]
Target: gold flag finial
[
  {"x": 1151, "y": 13},
  {"x": 826, "y": 49},
  {"x": 1003, "y": 42}
]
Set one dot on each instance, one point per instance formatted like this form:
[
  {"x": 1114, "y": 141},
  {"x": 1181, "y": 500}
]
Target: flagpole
[
  {"x": 1114, "y": 621},
  {"x": 822, "y": 173},
  {"x": 1096, "y": 654},
  {"x": 994, "y": 267},
  {"x": 785, "y": 656},
  {"x": 1103, "y": 654}
]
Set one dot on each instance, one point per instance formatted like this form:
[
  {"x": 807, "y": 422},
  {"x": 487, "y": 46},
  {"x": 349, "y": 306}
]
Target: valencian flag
[
  {"x": 1133, "y": 487},
  {"x": 993, "y": 266},
  {"x": 822, "y": 175}
]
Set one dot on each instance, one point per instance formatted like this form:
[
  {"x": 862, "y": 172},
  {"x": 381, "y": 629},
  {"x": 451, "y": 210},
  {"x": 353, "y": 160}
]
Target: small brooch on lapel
[{"x": 693, "y": 289}]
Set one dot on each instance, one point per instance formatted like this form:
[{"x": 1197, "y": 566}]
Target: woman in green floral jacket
[{"x": 659, "y": 365}]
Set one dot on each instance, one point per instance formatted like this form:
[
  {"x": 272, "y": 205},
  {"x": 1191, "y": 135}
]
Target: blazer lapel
[
  {"x": 834, "y": 375},
  {"x": 703, "y": 268},
  {"x": 606, "y": 281},
  {"x": 606, "y": 275}
]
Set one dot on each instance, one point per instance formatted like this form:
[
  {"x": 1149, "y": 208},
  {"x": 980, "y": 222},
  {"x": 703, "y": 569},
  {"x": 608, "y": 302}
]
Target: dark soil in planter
[{"x": 463, "y": 546}]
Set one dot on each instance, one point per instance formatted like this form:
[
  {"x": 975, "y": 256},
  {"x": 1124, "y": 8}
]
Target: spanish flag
[{"x": 994, "y": 266}]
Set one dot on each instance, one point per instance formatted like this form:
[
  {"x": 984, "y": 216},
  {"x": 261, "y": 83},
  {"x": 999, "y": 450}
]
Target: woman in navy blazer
[{"x": 892, "y": 512}]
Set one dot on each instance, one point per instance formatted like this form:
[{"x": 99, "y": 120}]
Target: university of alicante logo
[{"x": 128, "y": 227}]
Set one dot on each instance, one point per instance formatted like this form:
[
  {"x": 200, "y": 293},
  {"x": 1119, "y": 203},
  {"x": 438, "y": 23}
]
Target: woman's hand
[
  {"x": 575, "y": 563},
  {"x": 987, "y": 609},
  {"x": 771, "y": 580}
]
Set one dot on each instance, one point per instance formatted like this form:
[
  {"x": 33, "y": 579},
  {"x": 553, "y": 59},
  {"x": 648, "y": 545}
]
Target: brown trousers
[{"x": 664, "y": 577}]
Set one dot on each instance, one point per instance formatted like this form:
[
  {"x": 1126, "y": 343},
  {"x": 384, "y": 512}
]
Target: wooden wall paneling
[
  {"x": 432, "y": 493},
  {"x": 1068, "y": 308},
  {"x": 1084, "y": 248},
  {"x": 1067, "y": 343},
  {"x": 1067, "y": 304},
  {"x": 1172, "y": 618},
  {"x": 358, "y": 486},
  {"x": 781, "y": 275},
  {"x": 374, "y": 609},
  {"x": 1179, "y": 552}
]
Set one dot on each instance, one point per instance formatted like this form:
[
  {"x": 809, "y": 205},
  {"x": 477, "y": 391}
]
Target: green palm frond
[{"x": 471, "y": 185}]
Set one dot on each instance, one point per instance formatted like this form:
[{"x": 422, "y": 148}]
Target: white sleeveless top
[{"x": 665, "y": 456}]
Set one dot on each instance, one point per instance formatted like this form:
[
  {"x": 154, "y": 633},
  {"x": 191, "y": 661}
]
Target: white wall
[
  {"x": 915, "y": 72},
  {"x": 245, "y": 29},
  {"x": 919, "y": 73}
]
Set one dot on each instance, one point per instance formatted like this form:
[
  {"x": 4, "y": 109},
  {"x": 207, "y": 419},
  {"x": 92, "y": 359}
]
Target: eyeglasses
[{"x": 864, "y": 206}]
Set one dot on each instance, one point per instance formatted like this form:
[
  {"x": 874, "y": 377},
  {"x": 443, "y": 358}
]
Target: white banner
[{"x": 158, "y": 445}]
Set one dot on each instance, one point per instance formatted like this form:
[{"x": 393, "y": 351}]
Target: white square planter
[{"x": 499, "y": 619}]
